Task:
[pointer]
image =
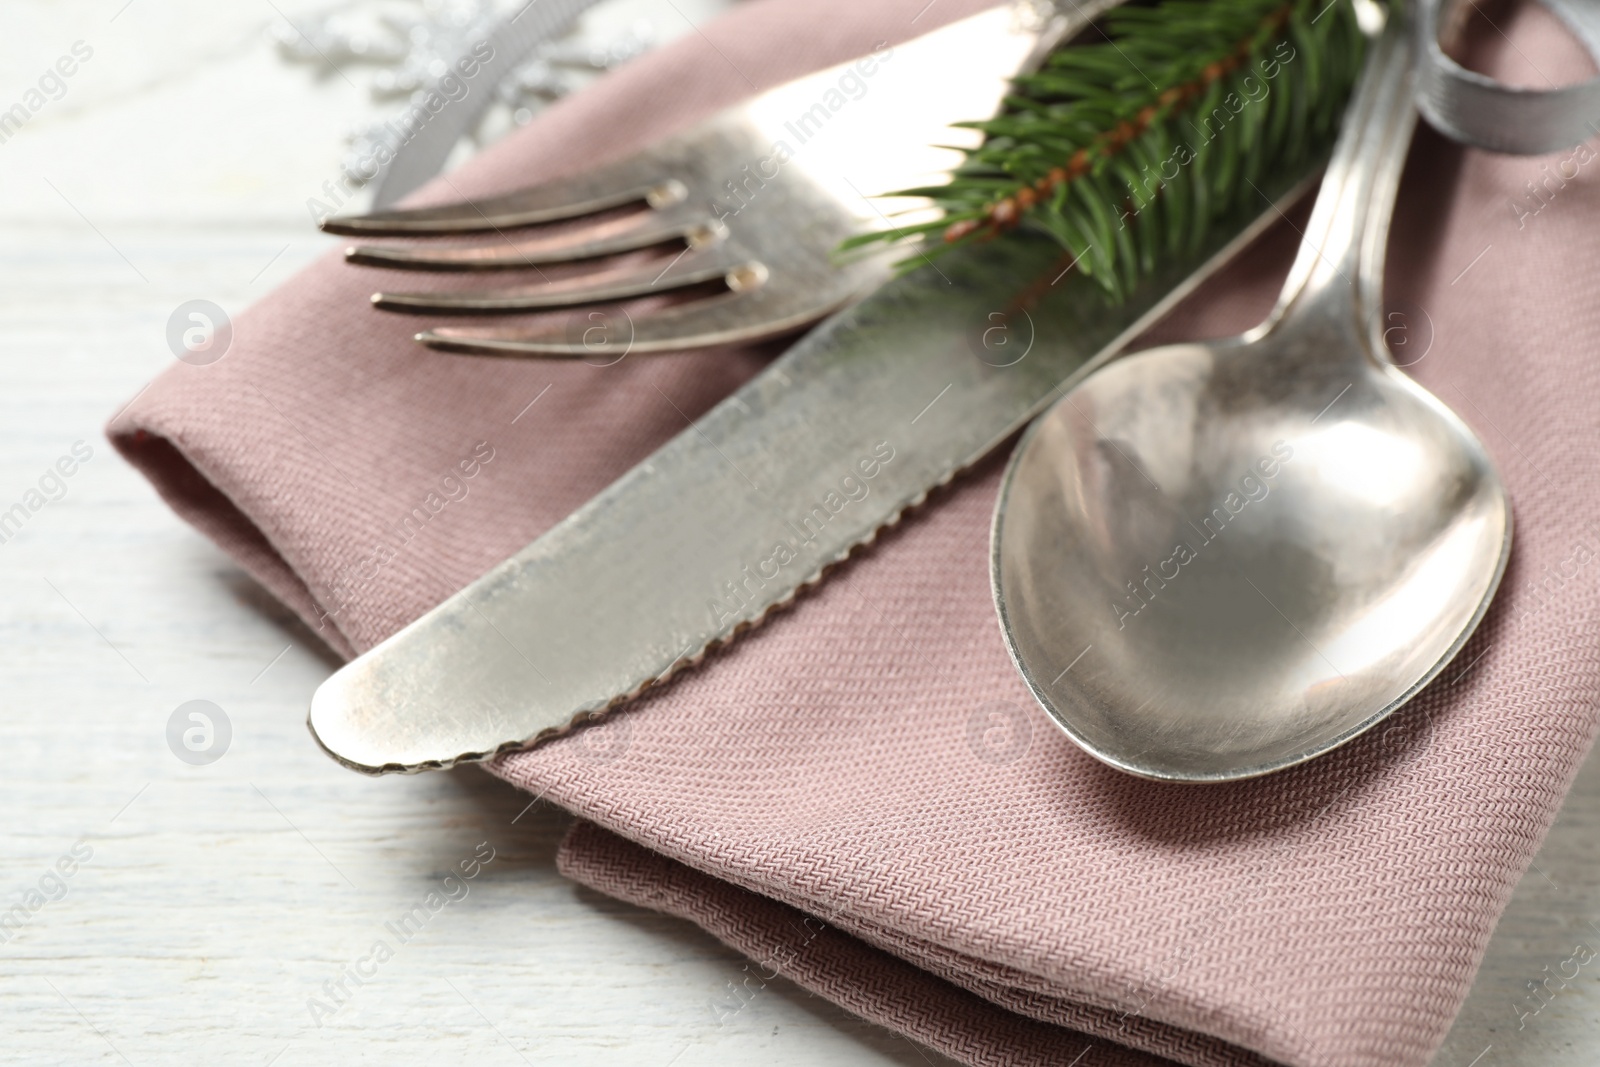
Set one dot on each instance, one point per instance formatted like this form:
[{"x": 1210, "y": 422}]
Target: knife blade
[{"x": 752, "y": 503}]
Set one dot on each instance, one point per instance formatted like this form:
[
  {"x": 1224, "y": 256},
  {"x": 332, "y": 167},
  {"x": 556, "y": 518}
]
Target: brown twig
[{"x": 1006, "y": 212}]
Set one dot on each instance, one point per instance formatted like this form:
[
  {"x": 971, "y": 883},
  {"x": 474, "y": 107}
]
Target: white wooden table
[{"x": 217, "y": 900}]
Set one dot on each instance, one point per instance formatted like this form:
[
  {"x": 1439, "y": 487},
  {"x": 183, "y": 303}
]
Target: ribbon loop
[{"x": 1479, "y": 111}]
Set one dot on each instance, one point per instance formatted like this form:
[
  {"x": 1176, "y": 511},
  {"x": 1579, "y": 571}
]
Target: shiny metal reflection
[{"x": 1214, "y": 561}]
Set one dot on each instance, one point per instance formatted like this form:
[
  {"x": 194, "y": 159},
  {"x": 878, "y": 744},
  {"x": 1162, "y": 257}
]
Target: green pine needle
[{"x": 1129, "y": 149}]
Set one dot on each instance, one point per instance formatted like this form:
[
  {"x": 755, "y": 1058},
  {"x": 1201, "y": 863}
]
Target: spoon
[{"x": 1214, "y": 561}]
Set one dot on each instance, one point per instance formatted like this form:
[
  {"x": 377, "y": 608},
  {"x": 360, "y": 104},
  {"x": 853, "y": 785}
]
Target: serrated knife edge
[{"x": 434, "y": 694}]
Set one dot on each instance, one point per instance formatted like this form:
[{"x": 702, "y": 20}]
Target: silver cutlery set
[{"x": 1210, "y": 561}]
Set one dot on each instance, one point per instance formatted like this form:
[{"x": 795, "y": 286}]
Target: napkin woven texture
[{"x": 861, "y": 795}]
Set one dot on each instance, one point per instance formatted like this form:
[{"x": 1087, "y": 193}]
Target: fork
[{"x": 743, "y": 212}]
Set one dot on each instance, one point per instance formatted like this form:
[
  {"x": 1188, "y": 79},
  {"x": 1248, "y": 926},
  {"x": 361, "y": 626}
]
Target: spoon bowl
[{"x": 1214, "y": 561}]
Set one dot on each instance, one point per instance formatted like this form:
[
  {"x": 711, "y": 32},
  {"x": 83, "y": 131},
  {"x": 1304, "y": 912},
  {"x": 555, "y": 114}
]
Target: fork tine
[
  {"x": 693, "y": 267},
  {"x": 604, "y": 238},
  {"x": 728, "y": 318},
  {"x": 632, "y": 181}
]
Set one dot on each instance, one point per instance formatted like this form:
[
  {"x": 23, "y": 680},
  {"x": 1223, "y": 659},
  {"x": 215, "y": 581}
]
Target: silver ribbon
[
  {"x": 1479, "y": 111},
  {"x": 513, "y": 40},
  {"x": 1459, "y": 103}
]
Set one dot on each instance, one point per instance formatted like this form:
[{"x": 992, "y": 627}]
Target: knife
[{"x": 727, "y": 521}]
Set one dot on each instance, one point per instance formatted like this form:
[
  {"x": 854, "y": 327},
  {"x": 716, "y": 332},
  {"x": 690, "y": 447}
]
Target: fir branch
[{"x": 1129, "y": 149}]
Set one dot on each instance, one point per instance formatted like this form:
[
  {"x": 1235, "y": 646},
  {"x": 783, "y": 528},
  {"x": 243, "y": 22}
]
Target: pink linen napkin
[{"x": 861, "y": 795}]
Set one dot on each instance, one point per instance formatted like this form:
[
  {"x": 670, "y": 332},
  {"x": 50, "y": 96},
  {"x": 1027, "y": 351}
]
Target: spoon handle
[{"x": 1337, "y": 277}]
